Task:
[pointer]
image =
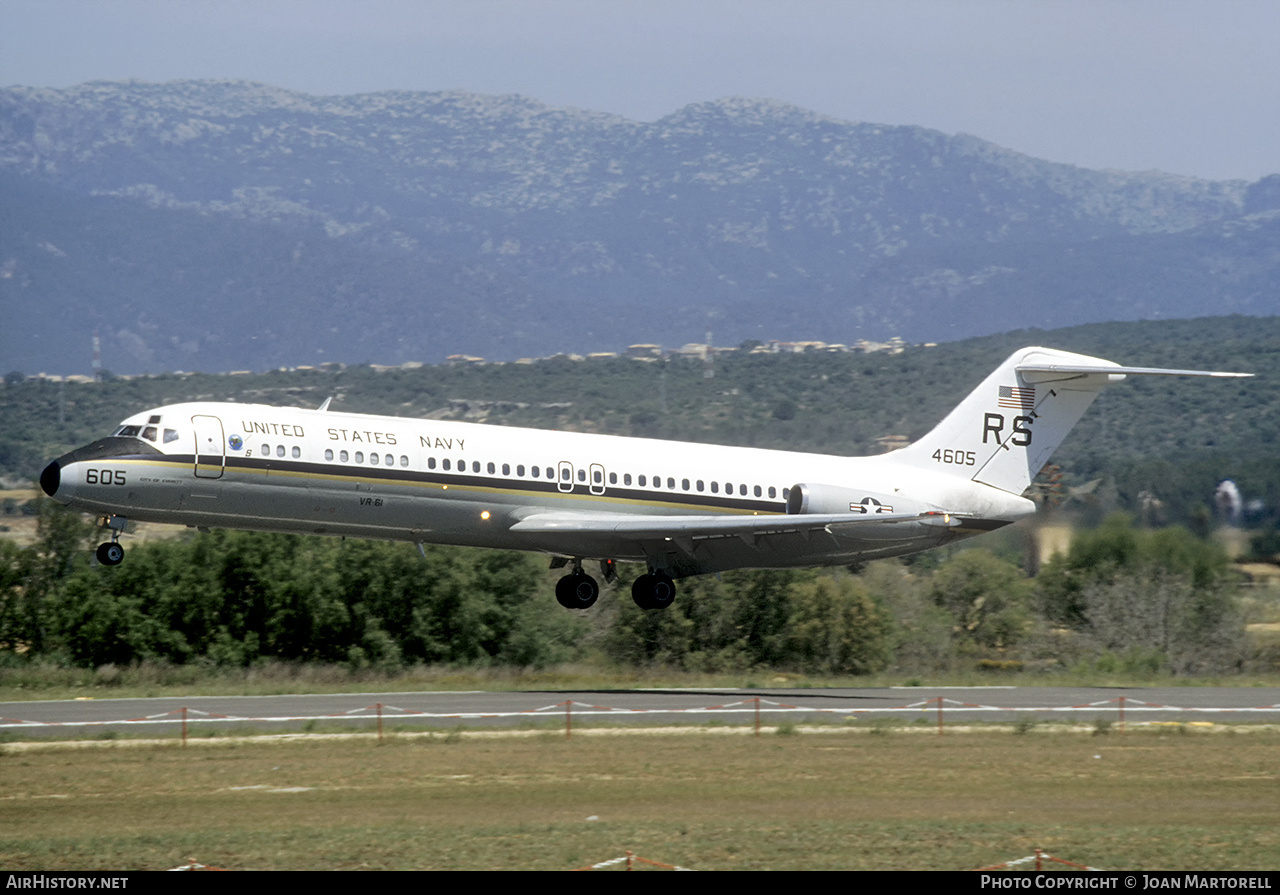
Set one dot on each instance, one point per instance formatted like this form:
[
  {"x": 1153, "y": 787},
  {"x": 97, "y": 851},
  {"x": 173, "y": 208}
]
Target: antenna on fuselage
[{"x": 325, "y": 405}]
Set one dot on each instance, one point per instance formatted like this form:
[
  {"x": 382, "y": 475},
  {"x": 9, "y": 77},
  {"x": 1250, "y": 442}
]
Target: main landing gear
[
  {"x": 654, "y": 590},
  {"x": 578, "y": 590},
  {"x": 111, "y": 553}
]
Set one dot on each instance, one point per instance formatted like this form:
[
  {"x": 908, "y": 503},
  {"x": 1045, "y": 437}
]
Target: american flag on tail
[{"x": 1017, "y": 398}]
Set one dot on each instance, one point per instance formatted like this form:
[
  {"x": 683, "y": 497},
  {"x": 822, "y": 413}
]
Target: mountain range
[{"x": 213, "y": 225}]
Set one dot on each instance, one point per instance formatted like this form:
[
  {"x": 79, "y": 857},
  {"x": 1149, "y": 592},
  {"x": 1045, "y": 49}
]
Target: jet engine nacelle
[{"x": 825, "y": 499}]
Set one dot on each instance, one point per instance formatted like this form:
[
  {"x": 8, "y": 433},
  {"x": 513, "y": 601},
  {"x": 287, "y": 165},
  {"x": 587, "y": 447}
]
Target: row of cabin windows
[
  {"x": 374, "y": 460},
  {"x": 597, "y": 475}
]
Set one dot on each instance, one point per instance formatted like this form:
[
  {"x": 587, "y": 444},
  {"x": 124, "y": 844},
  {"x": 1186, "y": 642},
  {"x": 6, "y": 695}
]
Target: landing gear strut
[
  {"x": 577, "y": 590},
  {"x": 655, "y": 590}
]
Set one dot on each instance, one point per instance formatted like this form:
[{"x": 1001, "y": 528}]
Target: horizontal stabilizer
[{"x": 1036, "y": 372}]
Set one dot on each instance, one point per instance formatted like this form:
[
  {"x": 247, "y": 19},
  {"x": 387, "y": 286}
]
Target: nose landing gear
[{"x": 111, "y": 553}]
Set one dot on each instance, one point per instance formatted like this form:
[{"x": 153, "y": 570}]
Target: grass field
[{"x": 705, "y": 798}]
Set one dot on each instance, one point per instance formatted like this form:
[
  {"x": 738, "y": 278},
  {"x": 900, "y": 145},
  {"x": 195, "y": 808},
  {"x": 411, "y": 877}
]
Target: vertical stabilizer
[{"x": 1007, "y": 428}]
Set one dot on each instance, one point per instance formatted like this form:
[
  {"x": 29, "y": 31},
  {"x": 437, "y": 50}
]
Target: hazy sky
[{"x": 1183, "y": 86}]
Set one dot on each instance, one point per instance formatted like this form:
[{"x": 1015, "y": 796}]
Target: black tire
[
  {"x": 110, "y": 554},
  {"x": 577, "y": 591},
  {"x": 655, "y": 591},
  {"x": 640, "y": 591}
]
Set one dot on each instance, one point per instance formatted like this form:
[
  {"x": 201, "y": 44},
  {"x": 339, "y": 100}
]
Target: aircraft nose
[{"x": 51, "y": 478}]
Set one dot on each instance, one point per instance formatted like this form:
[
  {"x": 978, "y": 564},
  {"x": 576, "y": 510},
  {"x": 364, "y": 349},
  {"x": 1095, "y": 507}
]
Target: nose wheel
[{"x": 110, "y": 553}]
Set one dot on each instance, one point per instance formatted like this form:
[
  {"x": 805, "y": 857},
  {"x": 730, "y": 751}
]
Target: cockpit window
[
  {"x": 149, "y": 433},
  {"x": 170, "y": 435},
  {"x": 129, "y": 431}
]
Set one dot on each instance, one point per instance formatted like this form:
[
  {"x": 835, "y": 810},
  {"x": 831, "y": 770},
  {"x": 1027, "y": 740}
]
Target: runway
[{"x": 490, "y": 709}]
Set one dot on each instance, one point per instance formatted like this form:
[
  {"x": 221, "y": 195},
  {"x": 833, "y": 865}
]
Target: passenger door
[{"x": 210, "y": 454}]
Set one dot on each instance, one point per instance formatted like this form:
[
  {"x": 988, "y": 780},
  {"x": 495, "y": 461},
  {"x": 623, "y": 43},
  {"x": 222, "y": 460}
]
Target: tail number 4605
[{"x": 955, "y": 458}]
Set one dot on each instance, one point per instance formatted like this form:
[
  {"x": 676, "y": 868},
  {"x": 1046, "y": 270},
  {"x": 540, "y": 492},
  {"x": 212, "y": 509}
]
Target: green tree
[
  {"x": 988, "y": 599},
  {"x": 837, "y": 627}
]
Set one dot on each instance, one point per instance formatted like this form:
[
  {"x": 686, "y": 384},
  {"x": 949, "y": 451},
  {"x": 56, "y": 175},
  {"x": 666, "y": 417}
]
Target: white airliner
[{"x": 682, "y": 509}]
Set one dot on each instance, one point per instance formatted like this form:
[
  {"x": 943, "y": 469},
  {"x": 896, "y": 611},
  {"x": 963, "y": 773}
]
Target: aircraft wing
[
  {"x": 695, "y": 544},
  {"x": 712, "y": 526}
]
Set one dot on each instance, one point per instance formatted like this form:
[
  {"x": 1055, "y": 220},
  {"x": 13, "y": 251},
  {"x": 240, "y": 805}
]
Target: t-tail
[{"x": 1004, "y": 432}]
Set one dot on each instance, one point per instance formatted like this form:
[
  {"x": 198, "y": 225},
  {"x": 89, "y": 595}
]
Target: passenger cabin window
[
  {"x": 359, "y": 456},
  {"x": 279, "y": 450},
  {"x": 328, "y": 453},
  {"x": 520, "y": 471},
  {"x": 446, "y": 465},
  {"x": 297, "y": 452},
  {"x": 404, "y": 461},
  {"x": 373, "y": 459},
  {"x": 344, "y": 456}
]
